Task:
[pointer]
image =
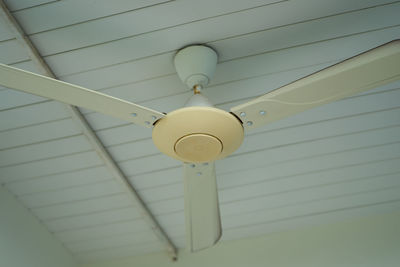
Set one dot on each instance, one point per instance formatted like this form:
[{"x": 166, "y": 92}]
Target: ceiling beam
[{"x": 86, "y": 129}]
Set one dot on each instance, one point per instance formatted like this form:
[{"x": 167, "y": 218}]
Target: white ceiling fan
[{"x": 199, "y": 134}]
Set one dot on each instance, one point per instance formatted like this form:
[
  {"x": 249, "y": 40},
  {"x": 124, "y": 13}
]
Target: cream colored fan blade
[
  {"x": 363, "y": 72},
  {"x": 75, "y": 95},
  {"x": 203, "y": 223}
]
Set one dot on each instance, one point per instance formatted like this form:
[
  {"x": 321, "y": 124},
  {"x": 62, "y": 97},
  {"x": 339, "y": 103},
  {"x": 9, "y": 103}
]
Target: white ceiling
[{"x": 334, "y": 162}]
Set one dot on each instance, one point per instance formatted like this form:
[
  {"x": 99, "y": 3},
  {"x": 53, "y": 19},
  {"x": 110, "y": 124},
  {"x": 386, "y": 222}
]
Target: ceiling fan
[{"x": 199, "y": 133}]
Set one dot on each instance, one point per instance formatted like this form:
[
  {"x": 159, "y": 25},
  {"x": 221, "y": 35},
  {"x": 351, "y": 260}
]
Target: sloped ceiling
[{"x": 328, "y": 164}]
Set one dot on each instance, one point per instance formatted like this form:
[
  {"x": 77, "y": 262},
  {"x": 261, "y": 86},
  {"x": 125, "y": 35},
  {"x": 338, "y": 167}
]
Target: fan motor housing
[{"x": 198, "y": 134}]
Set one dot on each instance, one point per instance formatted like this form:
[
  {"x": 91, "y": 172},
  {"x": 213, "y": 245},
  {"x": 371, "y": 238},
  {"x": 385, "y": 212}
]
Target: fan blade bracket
[
  {"x": 199, "y": 169},
  {"x": 145, "y": 117},
  {"x": 256, "y": 114}
]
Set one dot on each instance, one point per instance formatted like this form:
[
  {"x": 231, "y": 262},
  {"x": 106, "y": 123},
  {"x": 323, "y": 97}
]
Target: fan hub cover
[
  {"x": 198, "y": 147},
  {"x": 198, "y": 134}
]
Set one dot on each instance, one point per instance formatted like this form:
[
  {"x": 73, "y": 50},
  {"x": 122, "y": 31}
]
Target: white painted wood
[
  {"x": 65, "y": 38},
  {"x": 5, "y": 32},
  {"x": 288, "y": 185},
  {"x": 328, "y": 161},
  {"x": 13, "y": 52},
  {"x": 321, "y": 192},
  {"x": 389, "y": 194},
  {"x": 172, "y": 103},
  {"x": 123, "y": 134},
  {"x": 136, "y": 149},
  {"x": 158, "y": 178},
  {"x": 337, "y": 131},
  {"x": 17, "y": 5},
  {"x": 83, "y": 207},
  {"x": 38, "y": 133},
  {"x": 233, "y": 181},
  {"x": 65, "y": 195},
  {"x": 174, "y": 221},
  {"x": 103, "y": 231},
  {"x": 311, "y": 220},
  {"x": 93, "y": 219},
  {"x": 148, "y": 164},
  {"x": 50, "y": 166},
  {"x": 311, "y": 54},
  {"x": 26, "y": 65},
  {"x": 120, "y": 252},
  {"x": 59, "y": 181},
  {"x": 316, "y": 30},
  {"x": 167, "y": 206},
  {"x": 65, "y": 13},
  {"x": 237, "y": 69},
  {"x": 12, "y": 98},
  {"x": 143, "y": 91},
  {"x": 165, "y": 192},
  {"x": 111, "y": 242},
  {"x": 127, "y": 72},
  {"x": 321, "y": 160},
  {"x": 30, "y": 115},
  {"x": 101, "y": 121},
  {"x": 45, "y": 150},
  {"x": 260, "y": 28}
]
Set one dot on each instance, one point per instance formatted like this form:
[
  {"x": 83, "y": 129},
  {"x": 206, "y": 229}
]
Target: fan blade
[
  {"x": 75, "y": 95},
  {"x": 363, "y": 72},
  {"x": 203, "y": 223}
]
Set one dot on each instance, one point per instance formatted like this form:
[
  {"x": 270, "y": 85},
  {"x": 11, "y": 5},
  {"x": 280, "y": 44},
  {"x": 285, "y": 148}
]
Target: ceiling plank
[
  {"x": 316, "y": 218},
  {"x": 72, "y": 12},
  {"x": 37, "y": 133},
  {"x": 59, "y": 181},
  {"x": 93, "y": 219},
  {"x": 19, "y": 5},
  {"x": 78, "y": 208}
]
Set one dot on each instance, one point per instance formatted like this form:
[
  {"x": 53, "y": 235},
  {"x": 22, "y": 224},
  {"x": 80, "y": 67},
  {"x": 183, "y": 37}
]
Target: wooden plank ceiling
[{"x": 334, "y": 162}]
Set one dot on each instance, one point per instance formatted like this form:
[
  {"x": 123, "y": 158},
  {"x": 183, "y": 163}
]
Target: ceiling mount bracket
[{"x": 196, "y": 65}]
